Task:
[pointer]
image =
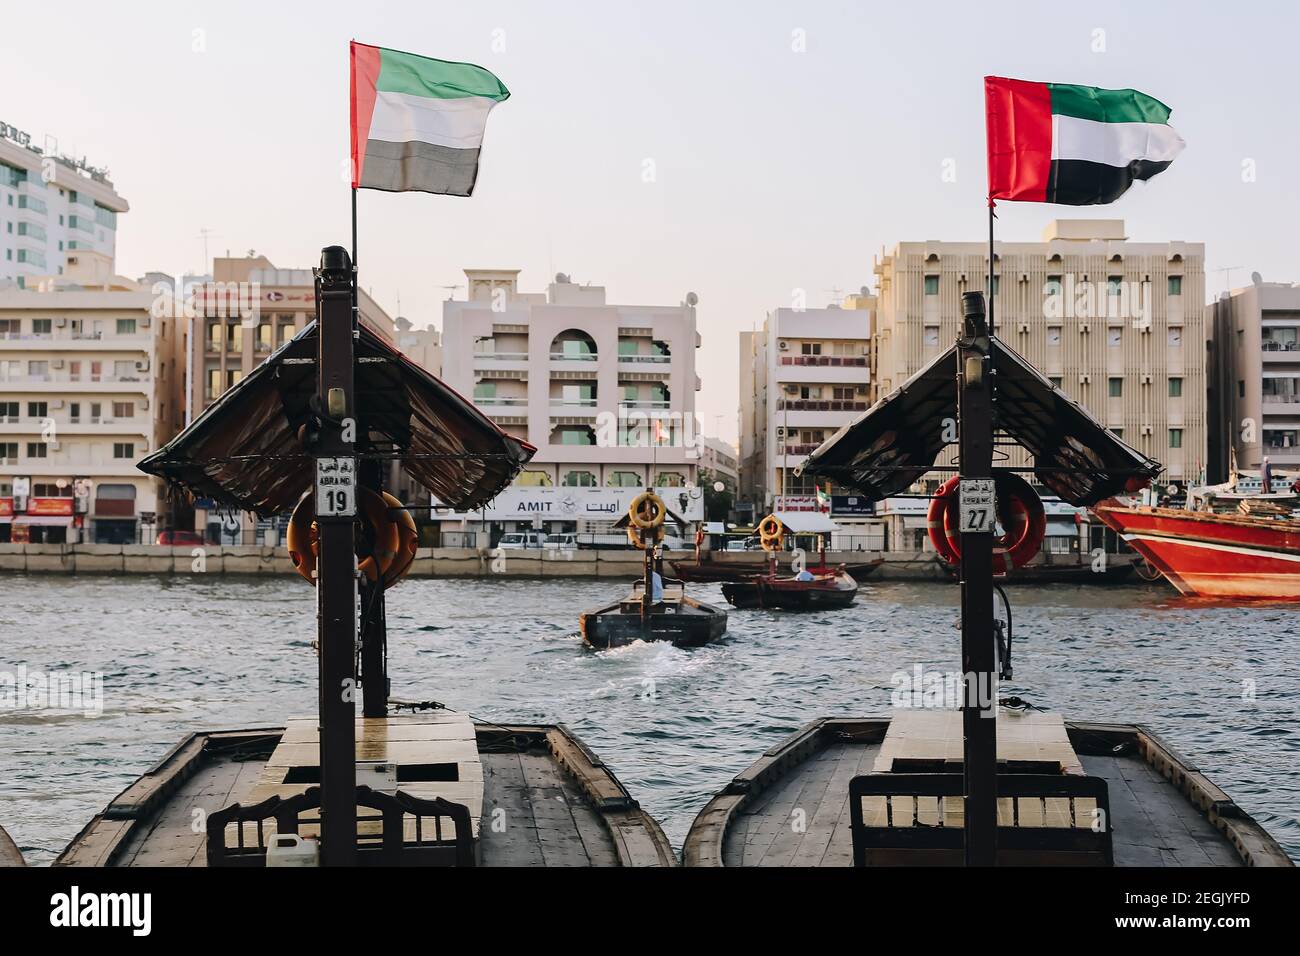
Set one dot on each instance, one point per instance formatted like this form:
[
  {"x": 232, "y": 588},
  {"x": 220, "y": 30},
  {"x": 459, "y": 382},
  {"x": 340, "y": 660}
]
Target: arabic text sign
[
  {"x": 336, "y": 487},
  {"x": 585, "y": 504},
  {"x": 978, "y": 505}
]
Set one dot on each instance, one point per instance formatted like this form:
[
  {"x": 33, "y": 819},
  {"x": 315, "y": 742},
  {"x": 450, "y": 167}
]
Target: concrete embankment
[{"x": 429, "y": 562}]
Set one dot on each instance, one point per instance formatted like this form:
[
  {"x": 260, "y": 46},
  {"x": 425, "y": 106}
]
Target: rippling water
[{"x": 181, "y": 654}]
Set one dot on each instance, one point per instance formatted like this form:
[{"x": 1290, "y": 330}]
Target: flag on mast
[
  {"x": 1073, "y": 145},
  {"x": 417, "y": 122}
]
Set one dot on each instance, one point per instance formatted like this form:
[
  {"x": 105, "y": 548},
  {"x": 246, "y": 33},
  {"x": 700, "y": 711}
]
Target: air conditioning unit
[
  {"x": 54, "y": 446},
  {"x": 1085, "y": 328},
  {"x": 142, "y": 366},
  {"x": 60, "y": 323},
  {"x": 1146, "y": 379},
  {"x": 783, "y": 345},
  {"x": 780, "y": 431},
  {"x": 144, "y": 404},
  {"x": 866, "y": 350},
  {"x": 1085, "y": 379},
  {"x": 57, "y": 363},
  {"x": 144, "y": 323},
  {"x": 1147, "y": 429},
  {"x": 1024, "y": 326}
]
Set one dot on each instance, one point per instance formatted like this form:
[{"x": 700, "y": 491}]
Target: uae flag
[
  {"x": 417, "y": 123},
  {"x": 1074, "y": 145}
]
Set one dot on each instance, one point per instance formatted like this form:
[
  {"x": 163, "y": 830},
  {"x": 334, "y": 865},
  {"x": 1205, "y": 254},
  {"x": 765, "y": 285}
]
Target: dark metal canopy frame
[
  {"x": 981, "y": 387},
  {"x": 338, "y": 390}
]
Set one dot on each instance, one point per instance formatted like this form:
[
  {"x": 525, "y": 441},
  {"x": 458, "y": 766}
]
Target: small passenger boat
[
  {"x": 657, "y": 608},
  {"x": 313, "y": 430},
  {"x": 813, "y": 589}
]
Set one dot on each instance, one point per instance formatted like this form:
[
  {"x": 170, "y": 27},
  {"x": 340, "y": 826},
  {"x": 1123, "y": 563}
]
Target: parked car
[
  {"x": 519, "y": 540},
  {"x": 179, "y": 539},
  {"x": 561, "y": 542}
]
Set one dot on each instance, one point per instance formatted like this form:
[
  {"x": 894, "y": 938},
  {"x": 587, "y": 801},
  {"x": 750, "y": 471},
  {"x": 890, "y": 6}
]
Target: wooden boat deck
[
  {"x": 791, "y": 807},
  {"x": 547, "y": 801}
]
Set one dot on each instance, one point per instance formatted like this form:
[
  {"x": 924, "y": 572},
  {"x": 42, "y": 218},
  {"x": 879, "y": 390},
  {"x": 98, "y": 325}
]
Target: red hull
[{"x": 1213, "y": 555}]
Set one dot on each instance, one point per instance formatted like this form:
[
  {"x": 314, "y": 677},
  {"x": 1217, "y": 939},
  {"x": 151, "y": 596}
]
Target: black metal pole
[
  {"x": 336, "y": 585},
  {"x": 374, "y": 632},
  {"x": 979, "y": 707}
]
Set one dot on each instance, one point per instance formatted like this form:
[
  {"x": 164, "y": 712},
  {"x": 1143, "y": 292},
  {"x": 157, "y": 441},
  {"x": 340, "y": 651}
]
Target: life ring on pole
[
  {"x": 647, "y": 500},
  {"x": 408, "y": 540},
  {"x": 1020, "y": 512},
  {"x": 771, "y": 533},
  {"x": 378, "y": 530}
]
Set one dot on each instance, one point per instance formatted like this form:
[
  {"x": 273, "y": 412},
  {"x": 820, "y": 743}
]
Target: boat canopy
[
  {"x": 897, "y": 440},
  {"x": 244, "y": 451},
  {"x": 806, "y": 522}
]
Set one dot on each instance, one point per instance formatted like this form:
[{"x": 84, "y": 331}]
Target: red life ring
[{"x": 1020, "y": 511}]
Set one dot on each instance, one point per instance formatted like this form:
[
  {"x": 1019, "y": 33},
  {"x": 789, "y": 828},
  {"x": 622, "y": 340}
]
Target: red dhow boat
[{"x": 1213, "y": 555}]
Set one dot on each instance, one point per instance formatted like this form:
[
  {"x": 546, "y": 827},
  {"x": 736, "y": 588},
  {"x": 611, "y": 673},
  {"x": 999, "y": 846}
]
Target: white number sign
[
  {"x": 336, "y": 487},
  {"x": 978, "y": 505}
]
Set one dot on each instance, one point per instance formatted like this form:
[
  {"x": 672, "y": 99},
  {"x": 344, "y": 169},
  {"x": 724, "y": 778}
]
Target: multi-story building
[
  {"x": 51, "y": 206},
  {"x": 605, "y": 392},
  {"x": 803, "y": 376},
  {"x": 421, "y": 346},
  {"x": 88, "y": 386},
  {"x": 718, "y": 458},
  {"x": 1119, "y": 326},
  {"x": 1256, "y": 385}
]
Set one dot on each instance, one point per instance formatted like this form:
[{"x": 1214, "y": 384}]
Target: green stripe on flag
[
  {"x": 423, "y": 76},
  {"x": 1106, "y": 106}
]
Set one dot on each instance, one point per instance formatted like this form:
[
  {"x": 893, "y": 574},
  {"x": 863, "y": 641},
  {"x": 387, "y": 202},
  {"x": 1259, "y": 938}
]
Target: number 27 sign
[
  {"x": 336, "y": 487},
  {"x": 978, "y": 505}
]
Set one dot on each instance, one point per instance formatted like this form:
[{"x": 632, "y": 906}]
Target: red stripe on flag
[
  {"x": 365, "y": 79},
  {"x": 1019, "y": 118}
]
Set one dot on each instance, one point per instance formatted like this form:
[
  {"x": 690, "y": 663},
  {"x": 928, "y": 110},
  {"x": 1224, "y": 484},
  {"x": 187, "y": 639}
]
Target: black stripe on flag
[
  {"x": 1081, "y": 182},
  {"x": 422, "y": 167}
]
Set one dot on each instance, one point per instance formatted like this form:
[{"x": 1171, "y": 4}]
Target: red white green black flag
[
  {"x": 417, "y": 122},
  {"x": 1073, "y": 145}
]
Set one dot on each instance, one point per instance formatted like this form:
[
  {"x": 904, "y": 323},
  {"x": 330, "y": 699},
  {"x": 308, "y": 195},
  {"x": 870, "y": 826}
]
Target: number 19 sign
[{"x": 336, "y": 487}]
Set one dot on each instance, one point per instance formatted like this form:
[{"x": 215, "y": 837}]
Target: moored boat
[
  {"x": 823, "y": 589},
  {"x": 710, "y": 569},
  {"x": 1208, "y": 554}
]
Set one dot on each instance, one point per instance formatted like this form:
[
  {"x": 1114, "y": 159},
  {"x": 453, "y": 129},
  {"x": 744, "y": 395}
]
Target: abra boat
[
  {"x": 657, "y": 608},
  {"x": 707, "y": 567},
  {"x": 991, "y": 783},
  {"x": 312, "y": 430},
  {"x": 818, "y": 588}
]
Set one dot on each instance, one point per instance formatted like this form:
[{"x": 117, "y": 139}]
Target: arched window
[
  {"x": 578, "y": 479},
  {"x": 573, "y": 435},
  {"x": 623, "y": 479},
  {"x": 670, "y": 479},
  {"x": 573, "y": 345},
  {"x": 533, "y": 479}
]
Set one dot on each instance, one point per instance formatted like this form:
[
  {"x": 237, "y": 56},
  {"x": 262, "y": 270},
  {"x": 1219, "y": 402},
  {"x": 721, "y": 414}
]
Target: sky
[{"x": 789, "y": 142}]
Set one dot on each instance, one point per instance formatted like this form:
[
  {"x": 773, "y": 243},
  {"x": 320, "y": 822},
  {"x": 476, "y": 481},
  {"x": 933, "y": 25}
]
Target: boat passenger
[
  {"x": 804, "y": 575},
  {"x": 656, "y": 587}
]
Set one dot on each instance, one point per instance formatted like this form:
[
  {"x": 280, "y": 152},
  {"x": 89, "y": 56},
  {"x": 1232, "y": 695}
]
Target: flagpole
[{"x": 992, "y": 216}]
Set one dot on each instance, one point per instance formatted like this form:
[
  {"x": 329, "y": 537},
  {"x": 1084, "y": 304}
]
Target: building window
[
  {"x": 931, "y": 285},
  {"x": 9, "y": 453},
  {"x": 574, "y": 435},
  {"x": 533, "y": 479},
  {"x": 485, "y": 390},
  {"x": 811, "y": 348},
  {"x": 1115, "y": 387},
  {"x": 38, "y": 409},
  {"x": 670, "y": 479},
  {"x": 931, "y": 335},
  {"x": 1114, "y": 338},
  {"x": 123, "y": 449},
  {"x": 1175, "y": 285},
  {"x": 1053, "y": 286},
  {"x": 1056, "y": 381},
  {"x": 578, "y": 479},
  {"x": 1175, "y": 388},
  {"x": 37, "y": 449},
  {"x": 126, "y": 326},
  {"x": 1241, "y": 389},
  {"x": 1175, "y": 438},
  {"x": 627, "y": 346},
  {"x": 8, "y": 412},
  {"x": 623, "y": 479},
  {"x": 38, "y": 371},
  {"x": 124, "y": 409},
  {"x": 42, "y": 326},
  {"x": 214, "y": 383},
  {"x": 1114, "y": 284},
  {"x": 1053, "y": 335},
  {"x": 1117, "y": 432}
]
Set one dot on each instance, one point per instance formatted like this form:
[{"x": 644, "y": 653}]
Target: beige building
[
  {"x": 718, "y": 458},
  {"x": 248, "y": 310},
  {"x": 89, "y": 383},
  {"x": 1118, "y": 325},
  {"x": 421, "y": 346},
  {"x": 605, "y": 392},
  {"x": 1257, "y": 349},
  {"x": 804, "y": 375},
  {"x": 52, "y": 207}
]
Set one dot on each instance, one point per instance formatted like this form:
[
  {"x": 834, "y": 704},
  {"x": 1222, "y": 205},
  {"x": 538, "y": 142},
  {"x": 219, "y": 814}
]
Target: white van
[
  {"x": 519, "y": 540},
  {"x": 566, "y": 541}
]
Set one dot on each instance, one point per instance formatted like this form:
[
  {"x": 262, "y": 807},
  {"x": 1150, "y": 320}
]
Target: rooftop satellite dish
[
  {"x": 560, "y": 277},
  {"x": 692, "y": 299},
  {"x": 1256, "y": 278}
]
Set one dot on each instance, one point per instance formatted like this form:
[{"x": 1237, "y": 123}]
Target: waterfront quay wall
[{"x": 429, "y": 562}]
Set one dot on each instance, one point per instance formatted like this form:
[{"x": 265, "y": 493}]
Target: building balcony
[
  {"x": 830, "y": 361},
  {"x": 63, "y": 340},
  {"x": 800, "y": 449},
  {"x": 501, "y": 402},
  {"x": 484, "y": 357},
  {"x": 141, "y": 384},
  {"x": 637, "y": 360},
  {"x": 1280, "y": 352},
  {"x": 572, "y": 406},
  {"x": 820, "y": 405}
]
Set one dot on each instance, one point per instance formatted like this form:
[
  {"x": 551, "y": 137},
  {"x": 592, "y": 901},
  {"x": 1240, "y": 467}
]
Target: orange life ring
[
  {"x": 1020, "y": 511},
  {"x": 302, "y": 536},
  {"x": 771, "y": 533},
  {"x": 408, "y": 540}
]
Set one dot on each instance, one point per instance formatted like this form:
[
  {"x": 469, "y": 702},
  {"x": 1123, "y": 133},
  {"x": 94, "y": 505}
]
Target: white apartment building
[
  {"x": 804, "y": 375},
  {"x": 1257, "y": 338},
  {"x": 88, "y": 385},
  {"x": 1118, "y": 325},
  {"x": 421, "y": 346},
  {"x": 718, "y": 458},
  {"x": 51, "y": 206},
  {"x": 605, "y": 392}
]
